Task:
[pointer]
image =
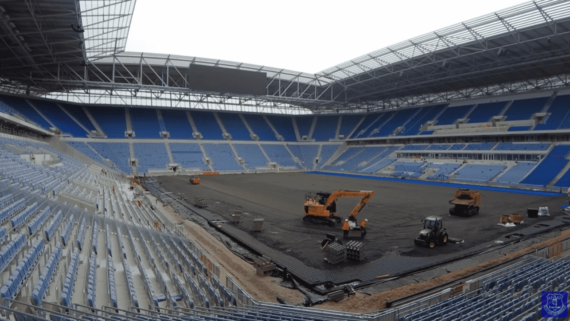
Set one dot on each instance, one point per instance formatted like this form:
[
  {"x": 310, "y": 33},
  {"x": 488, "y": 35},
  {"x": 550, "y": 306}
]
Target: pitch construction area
[{"x": 394, "y": 214}]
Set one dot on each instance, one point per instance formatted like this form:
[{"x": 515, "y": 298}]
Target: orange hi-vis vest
[
  {"x": 345, "y": 226},
  {"x": 363, "y": 224}
]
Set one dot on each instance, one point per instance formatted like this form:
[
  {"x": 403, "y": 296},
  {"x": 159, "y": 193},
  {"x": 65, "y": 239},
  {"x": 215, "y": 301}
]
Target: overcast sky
[{"x": 308, "y": 35}]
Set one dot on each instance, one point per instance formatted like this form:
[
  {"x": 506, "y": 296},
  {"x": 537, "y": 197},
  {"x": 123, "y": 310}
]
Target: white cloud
[{"x": 308, "y": 36}]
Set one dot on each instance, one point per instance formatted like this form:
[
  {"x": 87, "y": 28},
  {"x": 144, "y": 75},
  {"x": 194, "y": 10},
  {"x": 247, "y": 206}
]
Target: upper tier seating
[
  {"x": 59, "y": 118},
  {"x": 368, "y": 123},
  {"x": 177, "y": 124},
  {"x": 111, "y": 120},
  {"x": 484, "y": 112},
  {"x": 452, "y": 114},
  {"x": 235, "y": 126},
  {"x": 207, "y": 125},
  {"x": 21, "y": 106},
  {"x": 478, "y": 172},
  {"x": 280, "y": 155},
  {"x": 188, "y": 156},
  {"x": 223, "y": 157},
  {"x": 524, "y": 109},
  {"x": 151, "y": 156},
  {"x": 252, "y": 155},
  {"x": 557, "y": 114},
  {"x": 400, "y": 119},
  {"x": 325, "y": 129},
  {"x": 549, "y": 167},
  {"x": 79, "y": 115},
  {"x": 284, "y": 126},
  {"x": 516, "y": 173},
  {"x": 415, "y": 123},
  {"x": 348, "y": 123},
  {"x": 260, "y": 127},
  {"x": 145, "y": 123},
  {"x": 304, "y": 124}
]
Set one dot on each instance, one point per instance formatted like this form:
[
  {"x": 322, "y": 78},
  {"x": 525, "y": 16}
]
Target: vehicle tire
[
  {"x": 476, "y": 209},
  {"x": 431, "y": 244},
  {"x": 452, "y": 211},
  {"x": 337, "y": 219},
  {"x": 444, "y": 239},
  {"x": 331, "y": 223}
]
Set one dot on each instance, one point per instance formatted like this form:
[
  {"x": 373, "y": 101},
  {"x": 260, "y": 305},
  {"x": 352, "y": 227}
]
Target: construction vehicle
[
  {"x": 433, "y": 233},
  {"x": 321, "y": 208},
  {"x": 194, "y": 180},
  {"x": 466, "y": 202}
]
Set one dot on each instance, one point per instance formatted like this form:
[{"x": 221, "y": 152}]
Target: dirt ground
[{"x": 394, "y": 213}]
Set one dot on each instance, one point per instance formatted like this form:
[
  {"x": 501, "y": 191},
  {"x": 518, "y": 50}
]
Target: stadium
[{"x": 139, "y": 186}]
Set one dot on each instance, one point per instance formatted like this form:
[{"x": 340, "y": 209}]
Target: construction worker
[
  {"x": 363, "y": 227},
  {"x": 345, "y": 228}
]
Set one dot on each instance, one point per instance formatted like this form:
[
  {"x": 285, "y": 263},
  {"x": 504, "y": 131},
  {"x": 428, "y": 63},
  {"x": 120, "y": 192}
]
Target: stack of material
[
  {"x": 335, "y": 253},
  {"x": 513, "y": 218},
  {"x": 355, "y": 251}
]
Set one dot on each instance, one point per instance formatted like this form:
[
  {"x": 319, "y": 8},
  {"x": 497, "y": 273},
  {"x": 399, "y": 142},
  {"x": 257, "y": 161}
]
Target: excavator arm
[{"x": 365, "y": 197}]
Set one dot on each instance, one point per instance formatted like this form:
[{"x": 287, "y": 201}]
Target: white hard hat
[
  {"x": 366, "y": 219},
  {"x": 346, "y": 220}
]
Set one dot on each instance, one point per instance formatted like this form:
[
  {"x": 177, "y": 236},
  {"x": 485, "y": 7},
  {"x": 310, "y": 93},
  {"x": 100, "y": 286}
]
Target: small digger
[
  {"x": 321, "y": 208},
  {"x": 194, "y": 180},
  {"x": 433, "y": 233}
]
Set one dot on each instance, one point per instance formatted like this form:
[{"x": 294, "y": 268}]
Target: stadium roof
[{"x": 74, "y": 50}]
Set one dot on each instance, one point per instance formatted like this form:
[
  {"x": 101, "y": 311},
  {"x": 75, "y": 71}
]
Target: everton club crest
[{"x": 554, "y": 304}]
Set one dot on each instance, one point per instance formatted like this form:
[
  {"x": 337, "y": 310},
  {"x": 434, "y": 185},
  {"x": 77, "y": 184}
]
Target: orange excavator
[{"x": 321, "y": 208}]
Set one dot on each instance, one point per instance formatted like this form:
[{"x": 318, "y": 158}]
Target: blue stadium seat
[
  {"x": 188, "y": 155},
  {"x": 284, "y": 127},
  {"x": 177, "y": 124},
  {"x": 549, "y": 167},
  {"x": 452, "y": 114},
  {"x": 235, "y": 126},
  {"x": 524, "y": 109},
  {"x": 325, "y": 129},
  {"x": 223, "y": 157},
  {"x": 207, "y": 125},
  {"x": 145, "y": 123},
  {"x": 279, "y": 154},
  {"x": 260, "y": 127},
  {"x": 111, "y": 120},
  {"x": 252, "y": 155}
]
